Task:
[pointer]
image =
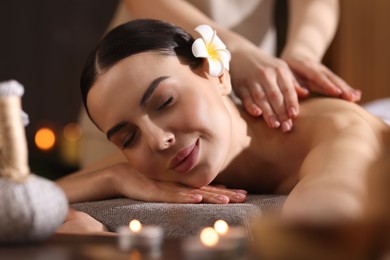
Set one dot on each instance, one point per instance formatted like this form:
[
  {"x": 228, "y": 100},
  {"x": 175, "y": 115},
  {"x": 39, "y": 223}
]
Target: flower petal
[
  {"x": 206, "y": 32},
  {"x": 225, "y": 56},
  {"x": 199, "y": 49},
  {"x": 216, "y": 67},
  {"x": 217, "y": 43},
  {"x": 210, "y": 46}
]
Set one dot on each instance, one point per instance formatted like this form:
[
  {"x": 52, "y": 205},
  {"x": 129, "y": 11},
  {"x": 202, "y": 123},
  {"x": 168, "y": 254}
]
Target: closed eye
[
  {"x": 128, "y": 140},
  {"x": 165, "y": 104}
]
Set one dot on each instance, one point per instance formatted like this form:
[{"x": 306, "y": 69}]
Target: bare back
[{"x": 325, "y": 130}]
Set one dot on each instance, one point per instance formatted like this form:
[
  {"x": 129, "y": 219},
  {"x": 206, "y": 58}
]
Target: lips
[{"x": 186, "y": 158}]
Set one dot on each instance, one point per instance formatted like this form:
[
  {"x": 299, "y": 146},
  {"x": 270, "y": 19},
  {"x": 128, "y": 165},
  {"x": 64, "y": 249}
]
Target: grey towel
[{"x": 180, "y": 220}]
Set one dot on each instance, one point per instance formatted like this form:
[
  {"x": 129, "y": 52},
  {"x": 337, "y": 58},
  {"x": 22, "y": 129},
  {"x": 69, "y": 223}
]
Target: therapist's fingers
[
  {"x": 287, "y": 82},
  {"x": 259, "y": 96},
  {"x": 247, "y": 100},
  {"x": 348, "y": 93}
]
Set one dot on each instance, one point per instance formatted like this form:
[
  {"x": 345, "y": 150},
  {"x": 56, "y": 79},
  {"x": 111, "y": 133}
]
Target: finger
[
  {"x": 241, "y": 191},
  {"x": 348, "y": 93},
  {"x": 179, "y": 196},
  {"x": 323, "y": 85},
  {"x": 300, "y": 86},
  {"x": 249, "y": 105},
  {"x": 223, "y": 190},
  {"x": 261, "y": 100},
  {"x": 189, "y": 195},
  {"x": 287, "y": 126},
  {"x": 286, "y": 84},
  {"x": 234, "y": 196},
  {"x": 215, "y": 199},
  {"x": 268, "y": 80}
]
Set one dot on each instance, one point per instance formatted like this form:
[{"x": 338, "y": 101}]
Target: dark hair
[{"x": 137, "y": 36}]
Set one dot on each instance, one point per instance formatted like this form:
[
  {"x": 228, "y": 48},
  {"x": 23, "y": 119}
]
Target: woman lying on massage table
[{"x": 171, "y": 115}]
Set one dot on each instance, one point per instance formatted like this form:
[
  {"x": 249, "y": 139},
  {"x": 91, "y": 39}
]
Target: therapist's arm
[{"x": 311, "y": 28}]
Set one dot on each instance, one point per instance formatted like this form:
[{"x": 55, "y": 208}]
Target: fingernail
[
  {"x": 292, "y": 112},
  {"x": 255, "y": 110},
  {"x": 274, "y": 123},
  {"x": 241, "y": 191},
  {"x": 357, "y": 93},
  {"x": 222, "y": 199},
  {"x": 196, "y": 197},
  {"x": 239, "y": 196},
  {"x": 286, "y": 126}
]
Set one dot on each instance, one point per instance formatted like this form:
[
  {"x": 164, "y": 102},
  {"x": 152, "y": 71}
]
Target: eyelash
[
  {"x": 165, "y": 104},
  {"x": 128, "y": 140}
]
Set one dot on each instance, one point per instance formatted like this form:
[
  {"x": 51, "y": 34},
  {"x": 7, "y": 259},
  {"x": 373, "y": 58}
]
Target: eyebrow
[
  {"x": 150, "y": 89},
  {"x": 113, "y": 130},
  {"x": 145, "y": 98}
]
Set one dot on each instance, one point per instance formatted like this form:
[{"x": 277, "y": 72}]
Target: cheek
[
  {"x": 142, "y": 162},
  {"x": 204, "y": 112}
]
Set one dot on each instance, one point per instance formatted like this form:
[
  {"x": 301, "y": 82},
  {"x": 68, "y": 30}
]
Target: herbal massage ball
[{"x": 31, "y": 207}]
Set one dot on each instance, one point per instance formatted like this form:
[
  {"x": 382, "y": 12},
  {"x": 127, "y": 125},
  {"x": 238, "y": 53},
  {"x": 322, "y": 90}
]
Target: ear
[{"x": 225, "y": 83}]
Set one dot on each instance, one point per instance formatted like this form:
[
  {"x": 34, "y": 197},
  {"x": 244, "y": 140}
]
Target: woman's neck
[{"x": 241, "y": 137}]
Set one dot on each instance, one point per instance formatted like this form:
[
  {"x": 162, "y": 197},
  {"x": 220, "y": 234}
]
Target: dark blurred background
[{"x": 44, "y": 43}]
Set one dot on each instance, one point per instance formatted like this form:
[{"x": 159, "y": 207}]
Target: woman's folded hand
[{"x": 134, "y": 185}]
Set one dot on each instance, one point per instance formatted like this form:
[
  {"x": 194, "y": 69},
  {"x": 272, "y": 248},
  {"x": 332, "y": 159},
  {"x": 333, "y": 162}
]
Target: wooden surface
[{"x": 360, "y": 53}]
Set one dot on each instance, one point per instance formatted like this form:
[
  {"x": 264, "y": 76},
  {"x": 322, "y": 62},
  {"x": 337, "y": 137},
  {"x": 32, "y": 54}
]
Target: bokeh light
[
  {"x": 209, "y": 237},
  {"x": 45, "y": 138},
  {"x": 72, "y": 132},
  {"x": 221, "y": 227},
  {"x": 135, "y": 226}
]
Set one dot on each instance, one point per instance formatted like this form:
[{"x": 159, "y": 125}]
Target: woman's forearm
[
  {"x": 182, "y": 14},
  {"x": 312, "y": 26},
  {"x": 95, "y": 181},
  {"x": 88, "y": 186}
]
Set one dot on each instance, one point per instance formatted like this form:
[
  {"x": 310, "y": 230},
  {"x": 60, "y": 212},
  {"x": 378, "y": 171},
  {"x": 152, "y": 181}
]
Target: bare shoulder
[
  {"x": 339, "y": 112},
  {"x": 334, "y": 120},
  {"x": 329, "y": 105}
]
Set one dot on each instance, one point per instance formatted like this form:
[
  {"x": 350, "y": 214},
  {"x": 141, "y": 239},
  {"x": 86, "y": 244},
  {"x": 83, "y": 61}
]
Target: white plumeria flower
[{"x": 211, "y": 47}]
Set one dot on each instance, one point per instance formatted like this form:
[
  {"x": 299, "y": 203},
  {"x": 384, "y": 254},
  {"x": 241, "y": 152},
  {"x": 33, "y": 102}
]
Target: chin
[{"x": 201, "y": 181}]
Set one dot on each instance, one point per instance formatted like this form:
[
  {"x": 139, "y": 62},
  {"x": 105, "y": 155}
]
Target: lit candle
[
  {"x": 147, "y": 238},
  {"x": 236, "y": 235},
  {"x": 208, "y": 245}
]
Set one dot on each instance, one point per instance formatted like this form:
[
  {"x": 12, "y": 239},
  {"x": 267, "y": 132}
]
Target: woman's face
[{"x": 170, "y": 122}]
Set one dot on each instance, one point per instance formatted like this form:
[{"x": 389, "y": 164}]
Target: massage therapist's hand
[
  {"x": 265, "y": 85},
  {"x": 317, "y": 78},
  {"x": 137, "y": 186}
]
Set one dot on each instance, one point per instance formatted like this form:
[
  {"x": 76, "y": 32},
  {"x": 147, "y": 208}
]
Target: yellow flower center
[{"x": 212, "y": 51}]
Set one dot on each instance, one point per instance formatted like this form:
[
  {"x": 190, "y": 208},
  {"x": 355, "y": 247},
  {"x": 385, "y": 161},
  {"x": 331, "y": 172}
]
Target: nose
[{"x": 158, "y": 138}]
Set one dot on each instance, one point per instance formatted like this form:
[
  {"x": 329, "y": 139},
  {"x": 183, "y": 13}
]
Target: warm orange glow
[
  {"x": 45, "y": 138},
  {"x": 135, "y": 226},
  {"x": 221, "y": 227},
  {"x": 209, "y": 237},
  {"x": 72, "y": 132}
]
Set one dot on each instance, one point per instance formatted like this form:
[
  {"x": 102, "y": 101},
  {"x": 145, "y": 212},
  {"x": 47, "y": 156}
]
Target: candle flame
[
  {"x": 135, "y": 226},
  {"x": 221, "y": 227},
  {"x": 209, "y": 237}
]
